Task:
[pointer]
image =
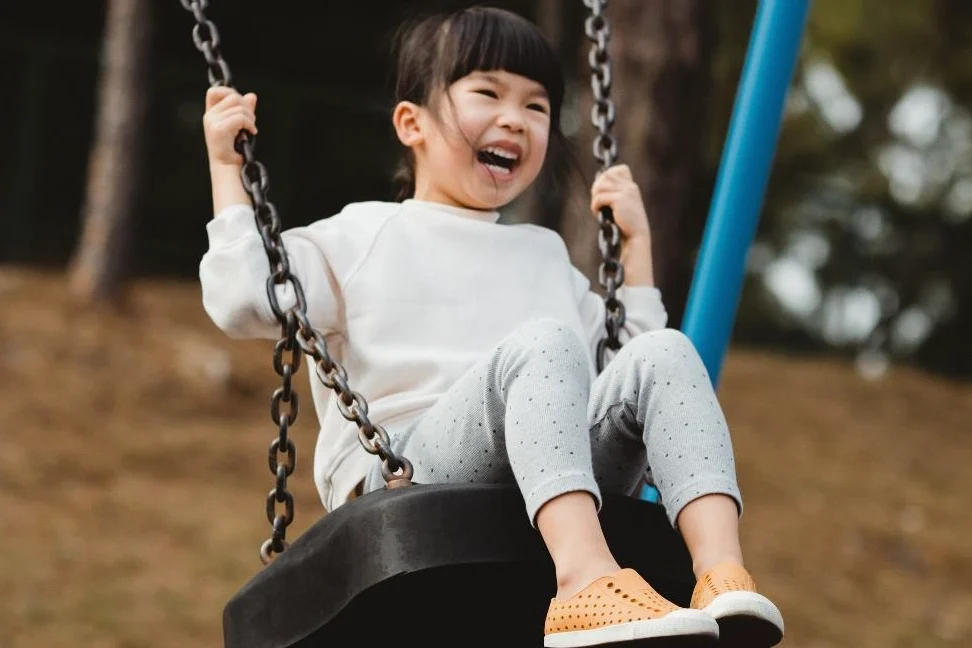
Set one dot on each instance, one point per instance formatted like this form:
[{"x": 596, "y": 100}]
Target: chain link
[
  {"x": 297, "y": 333},
  {"x": 603, "y": 114}
]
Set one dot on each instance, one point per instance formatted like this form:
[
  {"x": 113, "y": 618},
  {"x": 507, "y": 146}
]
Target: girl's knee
[
  {"x": 663, "y": 342},
  {"x": 548, "y": 335},
  {"x": 546, "y": 342},
  {"x": 667, "y": 351}
]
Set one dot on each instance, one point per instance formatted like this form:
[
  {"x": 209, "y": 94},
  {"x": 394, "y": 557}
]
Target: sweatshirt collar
[{"x": 463, "y": 212}]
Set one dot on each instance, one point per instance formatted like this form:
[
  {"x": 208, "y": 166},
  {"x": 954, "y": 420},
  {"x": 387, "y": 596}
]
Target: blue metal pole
[{"x": 743, "y": 175}]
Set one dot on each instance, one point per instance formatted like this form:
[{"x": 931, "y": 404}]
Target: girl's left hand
[{"x": 615, "y": 188}]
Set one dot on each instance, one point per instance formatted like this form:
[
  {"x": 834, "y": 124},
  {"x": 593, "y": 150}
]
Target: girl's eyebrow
[{"x": 539, "y": 91}]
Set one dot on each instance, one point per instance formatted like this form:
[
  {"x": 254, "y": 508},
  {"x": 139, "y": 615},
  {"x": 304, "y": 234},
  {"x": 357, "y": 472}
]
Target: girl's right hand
[{"x": 227, "y": 113}]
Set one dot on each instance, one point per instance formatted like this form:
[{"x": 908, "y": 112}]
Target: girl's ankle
[
  {"x": 700, "y": 567},
  {"x": 570, "y": 583}
]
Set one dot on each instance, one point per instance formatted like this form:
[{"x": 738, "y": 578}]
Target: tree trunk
[
  {"x": 114, "y": 162},
  {"x": 662, "y": 52},
  {"x": 543, "y": 204}
]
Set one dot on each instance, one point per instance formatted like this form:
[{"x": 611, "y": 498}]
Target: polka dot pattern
[
  {"x": 529, "y": 414},
  {"x": 655, "y": 417}
]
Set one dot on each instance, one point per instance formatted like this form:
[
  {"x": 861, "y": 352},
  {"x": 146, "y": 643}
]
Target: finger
[
  {"x": 217, "y": 94},
  {"x": 617, "y": 177},
  {"x": 621, "y": 172},
  {"x": 628, "y": 194},
  {"x": 237, "y": 123},
  {"x": 610, "y": 182},
  {"x": 611, "y": 179},
  {"x": 219, "y": 122},
  {"x": 237, "y": 110},
  {"x": 618, "y": 172},
  {"x": 604, "y": 182},
  {"x": 235, "y": 99},
  {"x": 231, "y": 100},
  {"x": 604, "y": 199}
]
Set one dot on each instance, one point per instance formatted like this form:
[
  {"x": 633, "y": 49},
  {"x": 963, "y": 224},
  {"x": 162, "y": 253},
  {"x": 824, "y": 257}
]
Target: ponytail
[{"x": 404, "y": 176}]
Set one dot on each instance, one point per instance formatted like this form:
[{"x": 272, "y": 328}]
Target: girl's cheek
[
  {"x": 541, "y": 131},
  {"x": 541, "y": 140}
]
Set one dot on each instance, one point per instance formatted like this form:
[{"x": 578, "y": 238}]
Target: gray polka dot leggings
[{"x": 529, "y": 413}]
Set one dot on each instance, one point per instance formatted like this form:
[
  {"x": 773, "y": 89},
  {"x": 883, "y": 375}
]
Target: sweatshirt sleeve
[
  {"x": 234, "y": 272},
  {"x": 644, "y": 310}
]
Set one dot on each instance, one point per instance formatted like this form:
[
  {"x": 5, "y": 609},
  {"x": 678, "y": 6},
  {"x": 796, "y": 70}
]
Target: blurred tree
[
  {"x": 662, "y": 53},
  {"x": 114, "y": 162},
  {"x": 865, "y": 239}
]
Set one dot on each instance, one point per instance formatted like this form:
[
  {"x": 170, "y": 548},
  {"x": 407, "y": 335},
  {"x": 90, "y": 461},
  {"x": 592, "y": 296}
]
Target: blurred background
[{"x": 133, "y": 463}]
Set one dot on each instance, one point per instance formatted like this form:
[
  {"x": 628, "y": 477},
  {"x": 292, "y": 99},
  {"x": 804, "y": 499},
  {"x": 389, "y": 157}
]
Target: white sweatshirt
[{"x": 410, "y": 296}]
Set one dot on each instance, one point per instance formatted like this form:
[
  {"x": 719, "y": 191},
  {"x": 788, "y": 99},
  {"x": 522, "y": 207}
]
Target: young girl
[{"x": 473, "y": 341}]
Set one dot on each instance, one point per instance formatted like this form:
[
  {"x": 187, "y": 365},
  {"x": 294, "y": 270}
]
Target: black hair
[{"x": 437, "y": 51}]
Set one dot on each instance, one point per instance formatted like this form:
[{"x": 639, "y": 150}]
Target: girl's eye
[
  {"x": 487, "y": 93},
  {"x": 538, "y": 107}
]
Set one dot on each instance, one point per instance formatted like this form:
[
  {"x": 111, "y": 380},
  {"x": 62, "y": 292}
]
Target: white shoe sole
[
  {"x": 746, "y": 619},
  {"x": 680, "y": 624}
]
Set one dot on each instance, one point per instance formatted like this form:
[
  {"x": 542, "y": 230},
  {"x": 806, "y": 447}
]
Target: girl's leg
[
  {"x": 654, "y": 406},
  {"x": 520, "y": 416}
]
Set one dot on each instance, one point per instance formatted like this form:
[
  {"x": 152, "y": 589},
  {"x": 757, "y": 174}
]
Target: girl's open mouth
[{"x": 498, "y": 160}]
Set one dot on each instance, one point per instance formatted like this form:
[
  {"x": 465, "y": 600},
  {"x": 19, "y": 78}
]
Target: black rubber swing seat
[{"x": 429, "y": 565}]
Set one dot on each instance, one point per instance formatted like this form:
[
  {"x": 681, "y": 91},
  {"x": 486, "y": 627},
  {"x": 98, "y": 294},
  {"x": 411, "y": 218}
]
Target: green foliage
[{"x": 866, "y": 233}]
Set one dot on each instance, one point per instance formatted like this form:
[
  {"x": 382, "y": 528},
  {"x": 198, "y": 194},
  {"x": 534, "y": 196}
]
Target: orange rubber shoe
[
  {"x": 746, "y": 618},
  {"x": 622, "y": 607}
]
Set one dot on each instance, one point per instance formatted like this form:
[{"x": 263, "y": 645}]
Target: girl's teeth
[
  {"x": 502, "y": 153},
  {"x": 498, "y": 169}
]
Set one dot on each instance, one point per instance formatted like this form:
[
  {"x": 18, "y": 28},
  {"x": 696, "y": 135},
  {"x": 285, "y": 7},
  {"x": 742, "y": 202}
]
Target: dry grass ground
[{"x": 133, "y": 472}]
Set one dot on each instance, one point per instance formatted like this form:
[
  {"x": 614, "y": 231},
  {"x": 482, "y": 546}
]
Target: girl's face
[{"x": 488, "y": 144}]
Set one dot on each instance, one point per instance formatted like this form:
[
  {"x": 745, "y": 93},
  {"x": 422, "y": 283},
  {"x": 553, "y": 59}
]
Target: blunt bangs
[{"x": 483, "y": 39}]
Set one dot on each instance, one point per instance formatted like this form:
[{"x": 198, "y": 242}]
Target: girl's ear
[{"x": 407, "y": 123}]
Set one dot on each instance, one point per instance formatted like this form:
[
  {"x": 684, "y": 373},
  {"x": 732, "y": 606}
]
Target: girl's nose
[{"x": 512, "y": 120}]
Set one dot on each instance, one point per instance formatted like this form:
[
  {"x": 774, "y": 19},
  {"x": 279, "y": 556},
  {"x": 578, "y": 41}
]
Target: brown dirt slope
[{"x": 133, "y": 473}]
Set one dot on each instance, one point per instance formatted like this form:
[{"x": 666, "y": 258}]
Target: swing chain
[
  {"x": 297, "y": 333},
  {"x": 603, "y": 114}
]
